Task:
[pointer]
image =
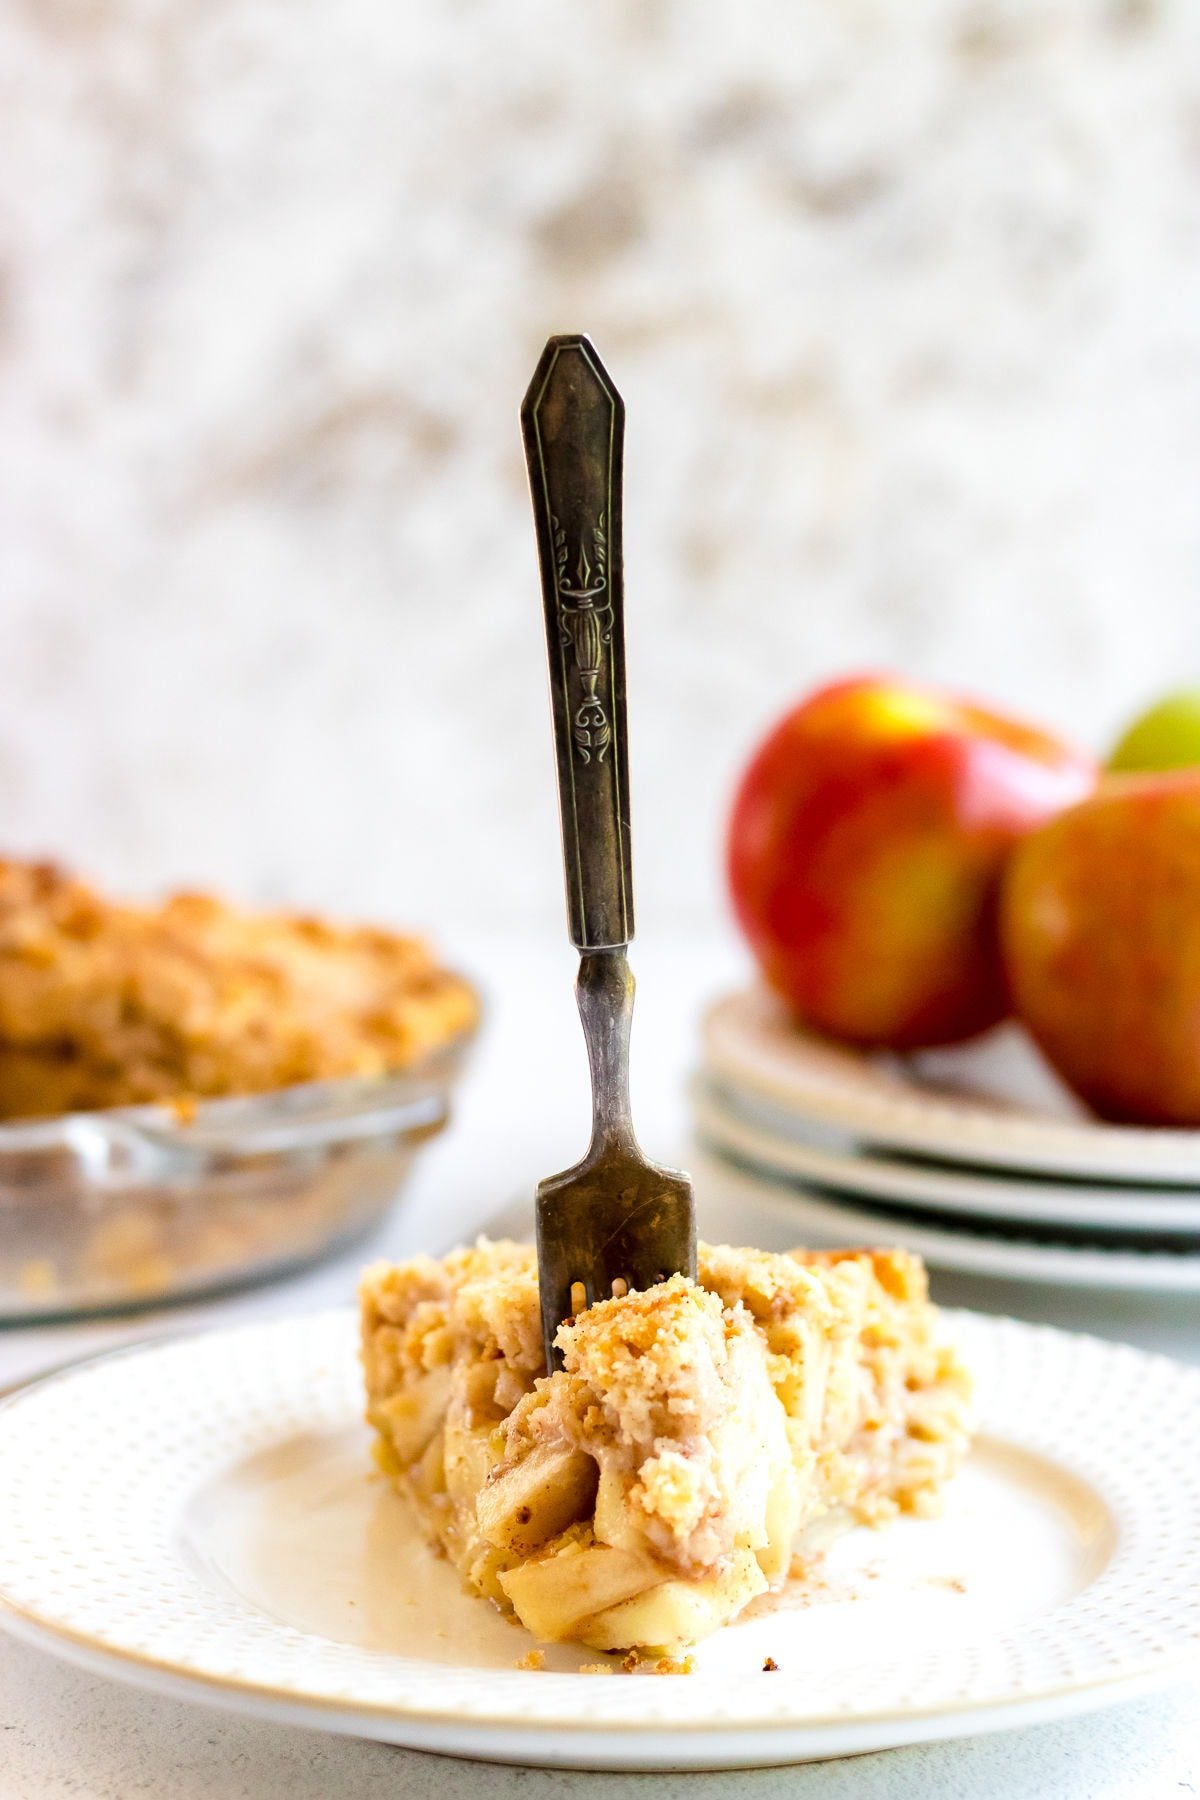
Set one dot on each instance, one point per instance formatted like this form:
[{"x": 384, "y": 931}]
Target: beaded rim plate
[
  {"x": 195, "y": 1517},
  {"x": 991, "y": 1104}
]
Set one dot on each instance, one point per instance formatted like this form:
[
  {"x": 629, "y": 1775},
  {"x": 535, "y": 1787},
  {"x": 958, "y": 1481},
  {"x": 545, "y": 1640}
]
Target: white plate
[
  {"x": 736, "y": 1125},
  {"x": 789, "y": 1214},
  {"x": 993, "y": 1103},
  {"x": 196, "y": 1517}
]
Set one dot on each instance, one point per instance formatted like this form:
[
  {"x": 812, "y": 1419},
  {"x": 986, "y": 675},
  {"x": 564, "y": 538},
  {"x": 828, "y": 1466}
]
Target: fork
[{"x": 614, "y": 1222}]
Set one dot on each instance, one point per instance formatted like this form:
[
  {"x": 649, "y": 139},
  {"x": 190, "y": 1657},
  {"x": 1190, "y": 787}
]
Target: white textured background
[{"x": 904, "y": 296}]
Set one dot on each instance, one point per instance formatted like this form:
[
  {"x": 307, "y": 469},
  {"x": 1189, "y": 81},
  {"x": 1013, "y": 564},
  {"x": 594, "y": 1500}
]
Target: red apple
[
  {"x": 865, "y": 850},
  {"x": 1100, "y": 918}
]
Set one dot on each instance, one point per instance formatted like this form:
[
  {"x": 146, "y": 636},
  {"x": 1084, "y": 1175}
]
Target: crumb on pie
[{"x": 698, "y": 1435}]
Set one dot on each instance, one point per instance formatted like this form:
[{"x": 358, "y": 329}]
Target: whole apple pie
[
  {"x": 107, "y": 1004},
  {"x": 698, "y": 1437}
]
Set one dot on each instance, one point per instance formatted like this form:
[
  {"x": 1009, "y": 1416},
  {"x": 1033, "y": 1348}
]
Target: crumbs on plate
[{"x": 633, "y": 1664}]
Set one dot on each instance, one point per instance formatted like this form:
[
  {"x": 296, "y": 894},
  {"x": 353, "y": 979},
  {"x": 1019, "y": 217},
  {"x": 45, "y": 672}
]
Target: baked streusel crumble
[
  {"x": 103, "y": 1004},
  {"x": 698, "y": 1434}
]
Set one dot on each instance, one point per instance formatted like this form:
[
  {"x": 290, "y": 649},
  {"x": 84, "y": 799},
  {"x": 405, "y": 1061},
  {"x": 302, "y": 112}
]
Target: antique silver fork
[{"x": 615, "y": 1221}]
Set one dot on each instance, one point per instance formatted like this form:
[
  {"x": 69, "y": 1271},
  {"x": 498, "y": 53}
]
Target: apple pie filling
[{"x": 698, "y": 1435}]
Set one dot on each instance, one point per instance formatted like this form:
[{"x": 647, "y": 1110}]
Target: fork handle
[{"x": 573, "y": 422}]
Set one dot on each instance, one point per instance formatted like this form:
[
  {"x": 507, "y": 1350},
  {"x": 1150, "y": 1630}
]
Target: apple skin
[
  {"x": 1100, "y": 921},
  {"x": 1165, "y": 737},
  {"x": 865, "y": 849}
]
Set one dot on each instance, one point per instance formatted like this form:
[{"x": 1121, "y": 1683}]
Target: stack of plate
[{"x": 975, "y": 1157}]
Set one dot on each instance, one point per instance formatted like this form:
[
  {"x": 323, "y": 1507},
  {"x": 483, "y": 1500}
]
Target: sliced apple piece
[
  {"x": 676, "y": 1613},
  {"x": 782, "y": 1522},
  {"x": 536, "y": 1499},
  {"x": 552, "y": 1594},
  {"x": 615, "y": 1523},
  {"x": 471, "y": 1453},
  {"x": 483, "y": 1564},
  {"x": 410, "y": 1418},
  {"x": 428, "y": 1476}
]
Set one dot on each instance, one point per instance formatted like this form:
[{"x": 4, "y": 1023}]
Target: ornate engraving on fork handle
[
  {"x": 573, "y": 423},
  {"x": 586, "y": 622}
]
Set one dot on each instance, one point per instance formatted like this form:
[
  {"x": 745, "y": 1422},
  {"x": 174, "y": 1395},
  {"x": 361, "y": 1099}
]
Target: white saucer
[
  {"x": 739, "y": 1126},
  {"x": 993, "y": 1103},
  {"x": 753, "y": 1206},
  {"x": 196, "y": 1518}
]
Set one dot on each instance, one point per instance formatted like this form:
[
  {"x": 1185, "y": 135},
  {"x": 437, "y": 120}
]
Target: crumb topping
[{"x": 105, "y": 1004}]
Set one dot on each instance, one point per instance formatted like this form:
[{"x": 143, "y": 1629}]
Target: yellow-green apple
[
  {"x": 865, "y": 850},
  {"x": 1165, "y": 737},
  {"x": 1100, "y": 919}
]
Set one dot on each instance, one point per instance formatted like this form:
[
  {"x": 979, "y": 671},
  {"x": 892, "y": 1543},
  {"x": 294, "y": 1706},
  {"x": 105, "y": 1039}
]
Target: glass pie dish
[{"x": 137, "y": 1206}]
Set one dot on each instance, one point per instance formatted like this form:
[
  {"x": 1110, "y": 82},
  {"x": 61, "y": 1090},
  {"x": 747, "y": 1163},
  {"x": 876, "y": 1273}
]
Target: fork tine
[{"x": 611, "y": 1218}]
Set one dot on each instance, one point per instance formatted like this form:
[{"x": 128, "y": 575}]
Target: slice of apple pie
[{"x": 699, "y": 1434}]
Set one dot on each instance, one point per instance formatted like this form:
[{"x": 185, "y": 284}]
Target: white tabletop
[{"x": 523, "y": 1113}]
